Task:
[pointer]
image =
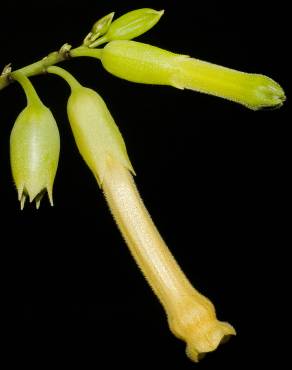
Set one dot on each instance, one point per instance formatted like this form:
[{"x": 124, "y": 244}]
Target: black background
[{"x": 212, "y": 174}]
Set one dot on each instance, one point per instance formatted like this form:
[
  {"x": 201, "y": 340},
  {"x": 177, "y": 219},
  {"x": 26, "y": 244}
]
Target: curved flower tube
[{"x": 191, "y": 316}]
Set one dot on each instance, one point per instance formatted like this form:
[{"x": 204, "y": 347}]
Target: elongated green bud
[
  {"x": 130, "y": 25},
  {"x": 96, "y": 134},
  {"x": 142, "y": 63},
  {"x": 34, "y": 147},
  {"x": 133, "y": 24}
]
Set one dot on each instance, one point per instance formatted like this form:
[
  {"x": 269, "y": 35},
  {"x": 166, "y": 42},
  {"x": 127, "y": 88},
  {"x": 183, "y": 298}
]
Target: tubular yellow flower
[
  {"x": 34, "y": 147},
  {"x": 191, "y": 316},
  {"x": 142, "y": 63}
]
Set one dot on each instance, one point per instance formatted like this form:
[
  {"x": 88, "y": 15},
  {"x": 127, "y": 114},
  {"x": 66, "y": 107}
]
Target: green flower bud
[
  {"x": 34, "y": 148},
  {"x": 133, "y": 24},
  {"x": 102, "y": 25},
  {"x": 138, "y": 62},
  {"x": 130, "y": 25},
  {"x": 98, "y": 29},
  {"x": 96, "y": 134}
]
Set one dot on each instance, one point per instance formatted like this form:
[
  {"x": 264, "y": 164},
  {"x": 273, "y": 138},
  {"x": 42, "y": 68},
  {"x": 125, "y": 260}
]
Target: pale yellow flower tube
[{"x": 191, "y": 316}]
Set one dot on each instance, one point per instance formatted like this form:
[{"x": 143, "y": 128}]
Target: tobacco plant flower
[
  {"x": 191, "y": 316},
  {"x": 147, "y": 64}
]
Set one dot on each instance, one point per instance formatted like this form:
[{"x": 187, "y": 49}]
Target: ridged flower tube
[
  {"x": 191, "y": 316},
  {"x": 143, "y": 63},
  {"x": 34, "y": 147}
]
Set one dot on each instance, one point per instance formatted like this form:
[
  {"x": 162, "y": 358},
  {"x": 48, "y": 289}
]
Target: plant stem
[
  {"x": 84, "y": 51},
  {"x": 40, "y": 66}
]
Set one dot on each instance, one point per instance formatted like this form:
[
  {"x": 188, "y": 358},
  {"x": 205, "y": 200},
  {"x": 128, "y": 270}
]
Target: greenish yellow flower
[
  {"x": 142, "y": 63},
  {"x": 34, "y": 148},
  {"x": 191, "y": 316}
]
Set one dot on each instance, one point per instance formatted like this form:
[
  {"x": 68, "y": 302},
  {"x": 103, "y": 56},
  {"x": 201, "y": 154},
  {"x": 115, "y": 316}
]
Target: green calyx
[
  {"x": 95, "y": 131},
  {"x": 34, "y": 148}
]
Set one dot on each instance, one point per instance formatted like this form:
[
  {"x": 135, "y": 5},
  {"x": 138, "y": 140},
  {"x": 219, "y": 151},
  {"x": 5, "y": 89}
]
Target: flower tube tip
[{"x": 268, "y": 92}]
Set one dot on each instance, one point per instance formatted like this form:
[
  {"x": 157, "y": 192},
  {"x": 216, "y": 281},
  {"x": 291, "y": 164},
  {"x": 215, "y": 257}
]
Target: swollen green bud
[
  {"x": 34, "y": 148},
  {"x": 130, "y": 25},
  {"x": 138, "y": 62},
  {"x": 96, "y": 134}
]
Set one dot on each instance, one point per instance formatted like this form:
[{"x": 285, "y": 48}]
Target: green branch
[{"x": 41, "y": 66}]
